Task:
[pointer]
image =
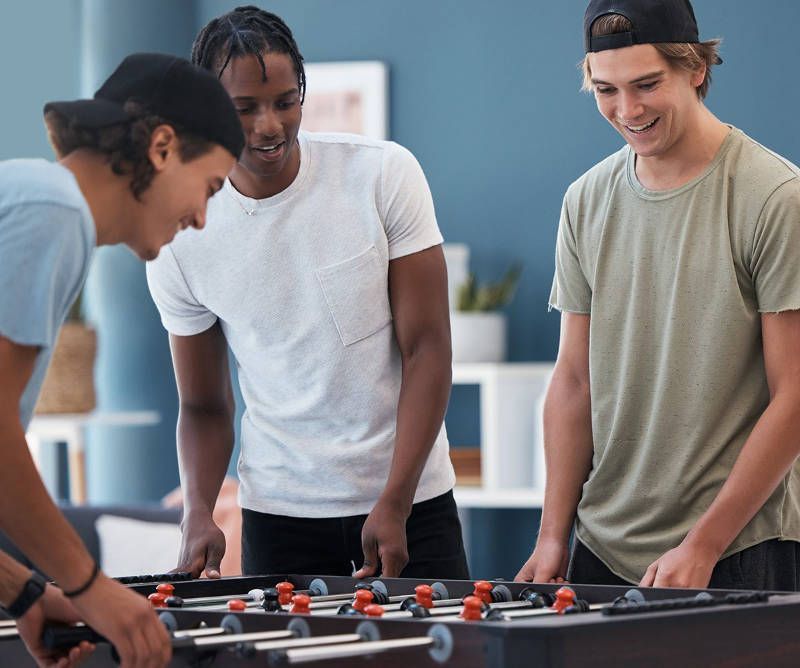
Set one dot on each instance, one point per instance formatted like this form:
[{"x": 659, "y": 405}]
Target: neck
[
  {"x": 257, "y": 186},
  {"x": 108, "y": 195},
  {"x": 688, "y": 157}
]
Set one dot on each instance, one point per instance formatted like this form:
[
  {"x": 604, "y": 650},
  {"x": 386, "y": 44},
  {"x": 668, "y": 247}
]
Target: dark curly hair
[
  {"x": 246, "y": 30},
  {"x": 125, "y": 145}
]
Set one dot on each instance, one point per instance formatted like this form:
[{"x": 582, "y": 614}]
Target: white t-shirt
[{"x": 299, "y": 283}]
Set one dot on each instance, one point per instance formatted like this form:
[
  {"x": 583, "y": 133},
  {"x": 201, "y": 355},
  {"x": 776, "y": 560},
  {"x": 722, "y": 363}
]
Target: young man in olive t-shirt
[{"x": 672, "y": 418}]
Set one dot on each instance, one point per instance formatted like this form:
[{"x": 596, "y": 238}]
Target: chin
[
  {"x": 267, "y": 171},
  {"x": 148, "y": 254}
]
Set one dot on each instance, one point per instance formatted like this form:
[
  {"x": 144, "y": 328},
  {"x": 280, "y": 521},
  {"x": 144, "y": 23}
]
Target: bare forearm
[
  {"x": 31, "y": 519},
  {"x": 205, "y": 444},
  {"x": 568, "y": 450},
  {"x": 424, "y": 392},
  {"x": 766, "y": 457}
]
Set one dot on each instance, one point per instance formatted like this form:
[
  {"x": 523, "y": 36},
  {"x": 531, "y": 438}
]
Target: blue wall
[
  {"x": 39, "y": 52},
  {"x": 486, "y": 94},
  {"x": 134, "y": 370}
]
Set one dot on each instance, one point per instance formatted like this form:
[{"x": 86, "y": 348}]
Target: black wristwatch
[{"x": 31, "y": 592}]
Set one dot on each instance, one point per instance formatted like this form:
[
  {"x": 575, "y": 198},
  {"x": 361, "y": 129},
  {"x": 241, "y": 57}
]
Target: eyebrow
[
  {"x": 291, "y": 91},
  {"x": 645, "y": 77}
]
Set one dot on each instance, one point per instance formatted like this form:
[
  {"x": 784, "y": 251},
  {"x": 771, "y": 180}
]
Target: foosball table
[{"x": 282, "y": 620}]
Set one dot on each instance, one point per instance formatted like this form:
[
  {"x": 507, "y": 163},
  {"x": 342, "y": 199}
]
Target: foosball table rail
[{"x": 513, "y": 627}]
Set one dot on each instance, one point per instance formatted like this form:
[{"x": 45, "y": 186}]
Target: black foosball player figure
[
  {"x": 136, "y": 164},
  {"x": 321, "y": 268},
  {"x": 671, "y": 418}
]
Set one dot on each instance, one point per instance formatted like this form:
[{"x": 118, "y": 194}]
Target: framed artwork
[{"x": 347, "y": 97}]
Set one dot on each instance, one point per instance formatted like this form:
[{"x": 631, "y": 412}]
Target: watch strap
[{"x": 31, "y": 592}]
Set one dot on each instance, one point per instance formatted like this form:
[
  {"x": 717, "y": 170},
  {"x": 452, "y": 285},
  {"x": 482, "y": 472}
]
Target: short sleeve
[
  {"x": 180, "y": 312},
  {"x": 775, "y": 263},
  {"x": 406, "y": 204},
  {"x": 45, "y": 255},
  {"x": 571, "y": 291}
]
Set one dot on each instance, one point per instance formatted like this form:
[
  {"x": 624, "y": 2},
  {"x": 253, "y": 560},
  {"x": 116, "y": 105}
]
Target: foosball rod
[{"x": 363, "y": 648}]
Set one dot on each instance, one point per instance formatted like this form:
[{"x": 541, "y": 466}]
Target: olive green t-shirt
[{"x": 675, "y": 282}]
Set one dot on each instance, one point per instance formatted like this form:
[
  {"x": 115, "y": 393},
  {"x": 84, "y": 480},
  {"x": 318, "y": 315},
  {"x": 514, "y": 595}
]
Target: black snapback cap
[
  {"x": 167, "y": 86},
  {"x": 652, "y": 21}
]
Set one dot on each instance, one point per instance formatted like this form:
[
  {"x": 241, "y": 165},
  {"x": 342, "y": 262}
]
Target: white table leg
[{"x": 76, "y": 459}]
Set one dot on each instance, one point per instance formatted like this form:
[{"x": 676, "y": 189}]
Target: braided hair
[{"x": 246, "y": 30}]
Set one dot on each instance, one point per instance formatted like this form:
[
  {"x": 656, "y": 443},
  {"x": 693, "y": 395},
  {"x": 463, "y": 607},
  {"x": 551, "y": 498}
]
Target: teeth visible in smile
[
  {"x": 267, "y": 148},
  {"x": 641, "y": 128}
]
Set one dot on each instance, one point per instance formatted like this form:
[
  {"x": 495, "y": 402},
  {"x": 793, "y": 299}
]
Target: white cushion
[{"x": 135, "y": 547}]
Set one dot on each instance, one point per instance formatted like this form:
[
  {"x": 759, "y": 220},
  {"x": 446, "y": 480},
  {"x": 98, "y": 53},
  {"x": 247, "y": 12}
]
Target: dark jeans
[
  {"x": 273, "y": 544},
  {"x": 771, "y": 565}
]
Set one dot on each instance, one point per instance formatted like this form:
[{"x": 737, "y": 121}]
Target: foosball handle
[{"x": 63, "y": 637}]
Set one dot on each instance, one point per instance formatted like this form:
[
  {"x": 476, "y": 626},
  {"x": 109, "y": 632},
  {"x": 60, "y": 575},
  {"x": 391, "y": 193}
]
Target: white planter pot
[
  {"x": 478, "y": 337},
  {"x": 456, "y": 256}
]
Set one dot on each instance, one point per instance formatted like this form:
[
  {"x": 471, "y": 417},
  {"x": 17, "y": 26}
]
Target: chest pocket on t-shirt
[{"x": 357, "y": 292}]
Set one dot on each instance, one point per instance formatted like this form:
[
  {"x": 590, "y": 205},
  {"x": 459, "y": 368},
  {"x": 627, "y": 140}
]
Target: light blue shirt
[{"x": 46, "y": 239}]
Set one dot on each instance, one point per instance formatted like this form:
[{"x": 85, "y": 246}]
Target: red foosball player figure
[
  {"x": 285, "y": 592},
  {"x": 424, "y": 595},
  {"x": 565, "y": 598},
  {"x": 472, "y": 609},
  {"x": 300, "y": 604}
]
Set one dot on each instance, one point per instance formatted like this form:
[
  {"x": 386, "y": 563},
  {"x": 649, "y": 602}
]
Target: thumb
[
  {"x": 370, "y": 567},
  {"x": 649, "y": 575},
  {"x": 213, "y": 560}
]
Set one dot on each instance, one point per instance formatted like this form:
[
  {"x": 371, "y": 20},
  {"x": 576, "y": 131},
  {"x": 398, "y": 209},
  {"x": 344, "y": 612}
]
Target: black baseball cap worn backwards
[
  {"x": 166, "y": 86},
  {"x": 652, "y": 21}
]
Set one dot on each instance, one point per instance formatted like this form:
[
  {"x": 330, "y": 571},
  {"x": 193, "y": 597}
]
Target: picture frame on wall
[{"x": 347, "y": 97}]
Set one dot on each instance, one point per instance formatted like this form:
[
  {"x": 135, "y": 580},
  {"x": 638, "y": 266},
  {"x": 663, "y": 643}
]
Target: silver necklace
[{"x": 249, "y": 212}]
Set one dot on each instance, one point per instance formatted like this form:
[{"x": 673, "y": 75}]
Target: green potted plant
[
  {"x": 478, "y": 326},
  {"x": 69, "y": 384}
]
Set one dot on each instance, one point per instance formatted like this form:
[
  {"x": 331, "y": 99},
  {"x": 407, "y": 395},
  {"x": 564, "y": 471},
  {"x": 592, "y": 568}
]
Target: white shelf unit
[
  {"x": 512, "y": 452},
  {"x": 71, "y": 429},
  {"x": 478, "y": 497}
]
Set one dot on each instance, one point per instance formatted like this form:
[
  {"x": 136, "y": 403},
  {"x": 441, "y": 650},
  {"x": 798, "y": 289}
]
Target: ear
[
  {"x": 699, "y": 76},
  {"x": 163, "y": 146}
]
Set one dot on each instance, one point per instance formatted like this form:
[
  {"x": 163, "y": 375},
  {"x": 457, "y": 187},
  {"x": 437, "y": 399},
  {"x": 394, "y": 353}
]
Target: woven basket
[{"x": 69, "y": 384}]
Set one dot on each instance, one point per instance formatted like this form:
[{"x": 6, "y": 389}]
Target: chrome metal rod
[
  {"x": 223, "y": 607},
  {"x": 366, "y": 648},
  {"x": 338, "y": 639},
  {"x": 199, "y": 633},
  {"x": 231, "y": 638},
  {"x": 513, "y": 614},
  {"x": 213, "y": 600}
]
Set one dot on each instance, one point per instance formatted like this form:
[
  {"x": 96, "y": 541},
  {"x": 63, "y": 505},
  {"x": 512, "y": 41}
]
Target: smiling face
[
  {"x": 653, "y": 105},
  {"x": 270, "y": 112},
  {"x": 178, "y": 194}
]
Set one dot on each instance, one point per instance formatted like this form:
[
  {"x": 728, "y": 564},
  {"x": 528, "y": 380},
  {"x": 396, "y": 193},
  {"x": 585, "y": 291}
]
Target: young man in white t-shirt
[{"x": 321, "y": 267}]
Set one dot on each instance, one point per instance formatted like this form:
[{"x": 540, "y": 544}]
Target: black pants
[
  {"x": 772, "y": 565},
  {"x": 273, "y": 544}
]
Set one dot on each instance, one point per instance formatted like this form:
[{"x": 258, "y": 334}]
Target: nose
[
  {"x": 629, "y": 108},
  {"x": 267, "y": 123}
]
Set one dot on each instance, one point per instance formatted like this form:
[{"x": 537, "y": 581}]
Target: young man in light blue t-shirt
[{"x": 136, "y": 164}]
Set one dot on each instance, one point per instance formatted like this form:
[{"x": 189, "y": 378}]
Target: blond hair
[{"x": 685, "y": 56}]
